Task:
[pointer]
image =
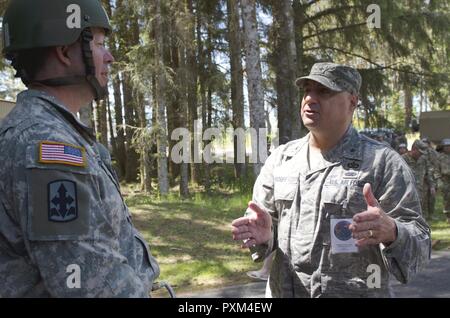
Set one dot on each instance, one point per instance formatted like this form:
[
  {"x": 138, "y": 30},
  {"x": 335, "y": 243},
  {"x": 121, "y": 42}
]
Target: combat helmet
[{"x": 29, "y": 24}]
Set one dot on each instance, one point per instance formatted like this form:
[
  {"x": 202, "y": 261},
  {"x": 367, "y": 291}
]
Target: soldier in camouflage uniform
[
  {"x": 444, "y": 176},
  {"x": 417, "y": 161},
  {"x": 340, "y": 210},
  {"x": 65, "y": 230},
  {"x": 402, "y": 149},
  {"x": 429, "y": 193}
]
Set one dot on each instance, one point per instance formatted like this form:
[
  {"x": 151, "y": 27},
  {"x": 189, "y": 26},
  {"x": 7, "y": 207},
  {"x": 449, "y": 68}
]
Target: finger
[
  {"x": 239, "y": 229},
  {"x": 364, "y": 235},
  {"x": 366, "y": 216},
  {"x": 363, "y": 226},
  {"x": 242, "y": 236},
  {"x": 241, "y": 221},
  {"x": 367, "y": 242},
  {"x": 249, "y": 243},
  {"x": 369, "y": 197},
  {"x": 253, "y": 206}
]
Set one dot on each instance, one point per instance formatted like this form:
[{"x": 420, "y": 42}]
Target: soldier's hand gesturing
[
  {"x": 253, "y": 229},
  {"x": 373, "y": 226}
]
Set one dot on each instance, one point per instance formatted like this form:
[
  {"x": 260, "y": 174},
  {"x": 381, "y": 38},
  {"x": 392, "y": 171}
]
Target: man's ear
[
  {"x": 62, "y": 54},
  {"x": 354, "y": 101}
]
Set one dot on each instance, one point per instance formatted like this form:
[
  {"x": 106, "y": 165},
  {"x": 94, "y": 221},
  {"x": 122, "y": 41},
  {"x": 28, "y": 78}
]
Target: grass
[
  {"x": 440, "y": 229},
  {"x": 191, "y": 239}
]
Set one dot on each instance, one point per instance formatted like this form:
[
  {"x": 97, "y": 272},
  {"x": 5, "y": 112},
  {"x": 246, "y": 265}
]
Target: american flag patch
[{"x": 60, "y": 153}]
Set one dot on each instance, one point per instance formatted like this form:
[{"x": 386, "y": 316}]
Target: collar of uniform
[
  {"x": 293, "y": 147},
  {"x": 349, "y": 147},
  {"x": 59, "y": 107}
]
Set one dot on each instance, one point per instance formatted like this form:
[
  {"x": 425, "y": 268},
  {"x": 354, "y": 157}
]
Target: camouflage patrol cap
[
  {"x": 421, "y": 146},
  {"x": 445, "y": 142},
  {"x": 336, "y": 77}
]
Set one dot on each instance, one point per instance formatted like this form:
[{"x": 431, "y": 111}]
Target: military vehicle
[{"x": 435, "y": 125}]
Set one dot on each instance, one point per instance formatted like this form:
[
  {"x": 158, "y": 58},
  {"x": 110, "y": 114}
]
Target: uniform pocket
[
  {"x": 150, "y": 261},
  {"x": 285, "y": 191}
]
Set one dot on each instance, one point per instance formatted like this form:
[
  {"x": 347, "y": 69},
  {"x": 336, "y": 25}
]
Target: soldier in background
[
  {"x": 380, "y": 136},
  {"x": 65, "y": 230},
  {"x": 444, "y": 176},
  {"x": 402, "y": 149},
  {"x": 429, "y": 192},
  {"x": 416, "y": 159}
]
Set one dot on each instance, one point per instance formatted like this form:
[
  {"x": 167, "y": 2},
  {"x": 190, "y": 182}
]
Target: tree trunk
[
  {"x": 111, "y": 129},
  {"x": 193, "y": 73},
  {"x": 408, "y": 104},
  {"x": 132, "y": 164},
  {"x": 120, "y": 153},
  {"x": 154, "y": 147},
  {"x": 145, "y": 170},
  {"x": 237, "y": 78},
  {"x": 163, "y": 178},
  {"x": 254, "y": 77},
  {"x": 186, "y": 85},
  {"x": 102, "y": 123},
  {"x": 286, "y": 66},
  {"x": 299, "y": 24},
  {"x": 174, "y": 98},
  {"x": 203, "y": 78}
]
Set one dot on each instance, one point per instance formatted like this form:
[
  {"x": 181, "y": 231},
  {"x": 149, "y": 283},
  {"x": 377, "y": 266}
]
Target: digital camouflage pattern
[
  {"x": 424, "y": 176},
  {"x": 429, "y": 200},
  {"x": 444, "y": 177},
  {"x": 302, "y": 202},
  {"x": 56, "y": 215},
  {"x": 336, "y": 77}
]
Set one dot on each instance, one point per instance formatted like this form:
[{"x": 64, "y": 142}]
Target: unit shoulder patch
[{"x": 63, "y": 202}]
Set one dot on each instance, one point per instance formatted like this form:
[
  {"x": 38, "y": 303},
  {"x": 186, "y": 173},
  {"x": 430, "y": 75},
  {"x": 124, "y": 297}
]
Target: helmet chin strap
[{"x": 99, "y": 91}]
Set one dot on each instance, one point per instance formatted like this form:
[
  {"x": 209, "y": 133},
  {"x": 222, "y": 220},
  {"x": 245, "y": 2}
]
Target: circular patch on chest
[{"x": 342, "y": 231}]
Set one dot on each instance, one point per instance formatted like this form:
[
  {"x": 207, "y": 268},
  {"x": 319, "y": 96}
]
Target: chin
[{"x": 309, "y": 123}]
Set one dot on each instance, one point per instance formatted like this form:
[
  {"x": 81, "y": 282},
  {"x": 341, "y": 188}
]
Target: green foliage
[
  {"x": 440, "y": 229},
  {"x": 222, "y": 177},
  {"x": 191, "y": 238}
]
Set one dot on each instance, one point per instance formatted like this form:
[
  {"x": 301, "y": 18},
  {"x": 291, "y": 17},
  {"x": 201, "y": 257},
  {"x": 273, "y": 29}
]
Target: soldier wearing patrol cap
[
  {"x": 65, "y": 230},
  {"x": 429, "y": 193},
  {"x": 402, "y": 149},
  {"x": 417, "y": 161},
  {"x": 444, "y": 175},
  {"x": 335, "y": 204}
]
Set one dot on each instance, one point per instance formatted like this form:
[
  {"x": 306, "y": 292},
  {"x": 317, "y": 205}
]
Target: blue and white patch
[
  {"x": 341, "y": 236},
  {"x": 342, "y": 231},
  {"x": 62, "y": 201}
]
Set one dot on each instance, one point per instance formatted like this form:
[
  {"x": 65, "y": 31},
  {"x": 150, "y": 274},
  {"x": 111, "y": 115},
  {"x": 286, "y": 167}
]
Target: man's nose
[
  {"x": 310, "y": 97},
  {"x": 109, "y": 58}
]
